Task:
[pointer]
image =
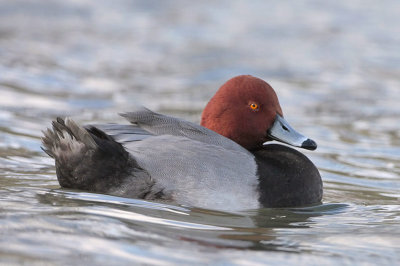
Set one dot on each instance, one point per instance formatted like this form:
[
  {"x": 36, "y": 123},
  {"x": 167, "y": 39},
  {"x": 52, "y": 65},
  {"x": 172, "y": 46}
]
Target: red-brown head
[{"x": 245, "y": 109}]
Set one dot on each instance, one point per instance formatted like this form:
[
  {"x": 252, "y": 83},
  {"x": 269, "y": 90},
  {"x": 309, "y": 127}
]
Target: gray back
[
  {"x": 158, "y": 124},
  {"x": 189, "y": 163}
]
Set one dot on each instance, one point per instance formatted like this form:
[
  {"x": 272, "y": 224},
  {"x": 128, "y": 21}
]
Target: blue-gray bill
[{"x": 283, "y": 132}]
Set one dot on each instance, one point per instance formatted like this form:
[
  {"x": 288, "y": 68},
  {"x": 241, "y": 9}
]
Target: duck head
[{"x": 246, "y": 110}]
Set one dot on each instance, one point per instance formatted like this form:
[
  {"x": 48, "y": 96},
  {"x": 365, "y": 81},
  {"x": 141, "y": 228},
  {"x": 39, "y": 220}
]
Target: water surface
[{"x": 335, "y": 67}]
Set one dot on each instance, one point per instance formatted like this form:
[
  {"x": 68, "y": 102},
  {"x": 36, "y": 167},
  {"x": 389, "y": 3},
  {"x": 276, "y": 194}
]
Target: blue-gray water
[{"x": 334, "y": 64}]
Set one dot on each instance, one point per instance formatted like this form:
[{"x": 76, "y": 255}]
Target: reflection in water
[
  {"x": 254, "y": 230},
  {"x": 335, "y": 67}
]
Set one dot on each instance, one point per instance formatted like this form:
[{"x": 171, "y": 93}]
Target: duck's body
[{"x": 166, "y": 158}]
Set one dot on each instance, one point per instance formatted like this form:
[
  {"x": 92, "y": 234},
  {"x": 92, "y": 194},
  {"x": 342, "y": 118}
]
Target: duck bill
[{"x": 283, "y": 132}]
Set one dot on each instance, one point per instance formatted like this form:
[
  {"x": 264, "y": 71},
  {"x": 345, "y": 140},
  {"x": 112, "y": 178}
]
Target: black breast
[{"x": 287, "y": 177}]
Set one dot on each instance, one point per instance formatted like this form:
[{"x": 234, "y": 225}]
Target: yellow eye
[{"x": 254, "y": 106}]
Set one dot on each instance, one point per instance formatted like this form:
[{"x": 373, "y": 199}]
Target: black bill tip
[{"x": 309, "y": 144}]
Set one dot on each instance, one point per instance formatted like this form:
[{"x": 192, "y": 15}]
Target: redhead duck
[{"x": 225, "y": 163}]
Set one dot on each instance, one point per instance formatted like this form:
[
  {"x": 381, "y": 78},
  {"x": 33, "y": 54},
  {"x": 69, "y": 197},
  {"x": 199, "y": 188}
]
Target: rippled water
[{"x": 335, "y": 66}]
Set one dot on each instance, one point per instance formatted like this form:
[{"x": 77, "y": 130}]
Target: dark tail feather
[
  {"x": 64, "y": 138},
  {"x": 90, "y": 159}
]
